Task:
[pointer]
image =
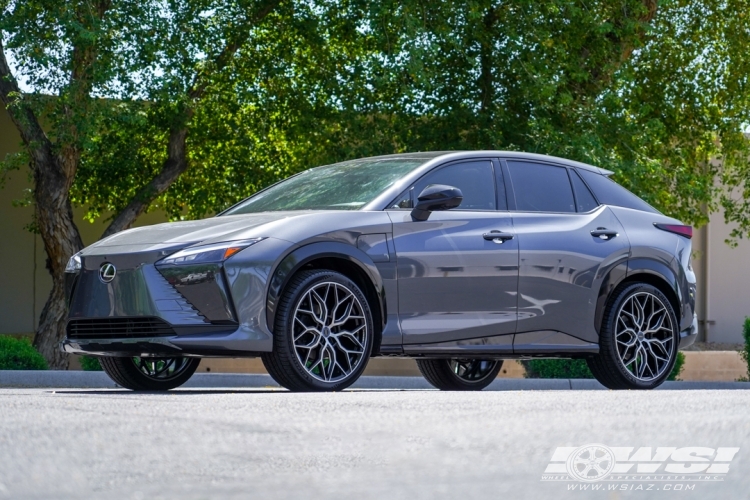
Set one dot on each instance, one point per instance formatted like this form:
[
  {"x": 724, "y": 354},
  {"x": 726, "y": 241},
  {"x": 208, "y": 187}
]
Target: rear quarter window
[{"x": 609, "y": 192}]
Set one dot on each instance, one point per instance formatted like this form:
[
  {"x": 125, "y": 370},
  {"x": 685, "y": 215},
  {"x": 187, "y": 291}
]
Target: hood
[{"x": 175, "y": 235}]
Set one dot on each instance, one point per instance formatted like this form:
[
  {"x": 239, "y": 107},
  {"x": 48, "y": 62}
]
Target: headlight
[
  {"x": 74, "y": 264},
  {"x": 217, "y": 252}
]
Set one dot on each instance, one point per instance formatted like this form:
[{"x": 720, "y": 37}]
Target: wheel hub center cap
[
  {"x": 640, "y": 336},
  {"x": 326, "y": 332}
]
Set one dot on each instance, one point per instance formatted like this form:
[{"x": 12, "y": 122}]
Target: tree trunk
[
  {"x": 54, "y": 170},
  {"x": 174, "y": 166},
  {"x": 54, "y": 220},
  {"x": 53, "y": 216}
]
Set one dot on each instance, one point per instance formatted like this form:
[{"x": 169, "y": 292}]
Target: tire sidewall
[
  {"x": 610, "y": 329},
  {"x": 284, "y": 328},
  {"x": 126, "y": 374},
  {"x": 439, "y": 374}
]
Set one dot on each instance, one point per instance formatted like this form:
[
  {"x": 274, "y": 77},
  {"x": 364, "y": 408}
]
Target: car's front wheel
[
  {"x": 638, "y": 340},
  {"x": 460, "y": 374},
  {"x": 323, "y": 334},
  {"x": 149, "y": 374}
]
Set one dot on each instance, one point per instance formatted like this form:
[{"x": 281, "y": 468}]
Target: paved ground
[{"x": 417, "y": 444}]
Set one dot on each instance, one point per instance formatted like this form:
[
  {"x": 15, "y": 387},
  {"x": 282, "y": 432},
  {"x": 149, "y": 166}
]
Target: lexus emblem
[{"x": 107, "y": 272}]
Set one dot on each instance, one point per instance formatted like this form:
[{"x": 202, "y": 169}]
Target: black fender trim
[
  {"x": 301, "y": 256},
  {"x": 655, "y": 268}
]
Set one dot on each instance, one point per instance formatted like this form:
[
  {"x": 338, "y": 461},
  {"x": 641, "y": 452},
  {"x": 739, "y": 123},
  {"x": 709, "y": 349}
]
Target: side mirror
[{"x": 436, "y": 197}]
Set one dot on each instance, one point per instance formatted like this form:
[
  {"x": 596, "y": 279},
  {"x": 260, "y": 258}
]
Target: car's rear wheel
[
  {"x": 149, "y": 374},
  {"x": 460, "y": 374},
  {"x": 323, "y": 334},
  {"x": 638, "y": 340}
]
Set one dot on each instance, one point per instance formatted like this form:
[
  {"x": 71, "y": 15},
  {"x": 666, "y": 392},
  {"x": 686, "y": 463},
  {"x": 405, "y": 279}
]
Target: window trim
[{"x": 413, "y": 196}]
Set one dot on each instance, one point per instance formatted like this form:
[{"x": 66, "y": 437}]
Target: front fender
[{"x": 301, "y": 256}]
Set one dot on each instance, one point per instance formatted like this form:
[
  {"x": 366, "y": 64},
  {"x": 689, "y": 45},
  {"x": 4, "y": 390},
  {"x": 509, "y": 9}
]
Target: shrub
[
  {"x": 577, "y": 368},
  {"x": 745, "y": 352},
  {"x": 19, "y": 354},
  {"x": 90, "y": 364},
  {"x": 557, "y": 368},
  {"x": 679, "y": 364}
]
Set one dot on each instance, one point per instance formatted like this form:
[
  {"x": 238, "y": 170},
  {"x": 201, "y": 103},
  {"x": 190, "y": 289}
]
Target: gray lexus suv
[{"x": 457, "y": 259}]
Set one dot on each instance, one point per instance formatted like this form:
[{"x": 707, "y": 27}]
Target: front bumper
[
  {"x": 241, "y": 342},
  {"x": 688, "y": 336}
]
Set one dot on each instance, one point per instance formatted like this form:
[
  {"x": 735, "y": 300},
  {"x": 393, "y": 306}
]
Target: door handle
[
  {"x": 498, "y": 237},
  {"x": 604, "y": 233}
]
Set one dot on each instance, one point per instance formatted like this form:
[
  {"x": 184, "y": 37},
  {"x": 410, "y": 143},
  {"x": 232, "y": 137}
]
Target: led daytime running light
[{"x": 216, "y": 252}]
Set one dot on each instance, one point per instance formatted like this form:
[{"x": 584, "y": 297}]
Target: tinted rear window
[
  {"x": 541, "y": 188},
  {"x": 611, "y": 193}
]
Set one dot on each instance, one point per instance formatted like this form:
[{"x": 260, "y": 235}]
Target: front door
[{"x": 455, "y": 281}]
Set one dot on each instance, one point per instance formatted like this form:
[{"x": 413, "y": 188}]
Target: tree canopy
[{"x": 191, "y": 105}]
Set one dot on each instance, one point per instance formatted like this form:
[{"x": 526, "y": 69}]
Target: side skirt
[{"x": 539, "y": 344}]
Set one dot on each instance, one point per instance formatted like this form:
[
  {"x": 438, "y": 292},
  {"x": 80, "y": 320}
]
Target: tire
[
  {"x": 638, "y": 341},
  {"x": 318, "y": 346},
  {"x": 459, "y": 374},
  {"x": 149, "y": 374}
]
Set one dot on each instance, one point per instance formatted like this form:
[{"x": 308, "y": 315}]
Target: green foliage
[
  {"x": 651, "y": 94},
  {"x": 745, "y": 352},
  {"x": 577, "y": 368},
  {"x": 557, "y": 368},
  {"x": 90, "y": 364},
  {"x": 19, "y": 354},
  {"x": 679, "y": 364}
]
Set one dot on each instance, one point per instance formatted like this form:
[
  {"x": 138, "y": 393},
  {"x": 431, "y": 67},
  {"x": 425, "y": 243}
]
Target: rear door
[
  {"x": 454, "y": 282},
  {"x": 567, "y": 241}
]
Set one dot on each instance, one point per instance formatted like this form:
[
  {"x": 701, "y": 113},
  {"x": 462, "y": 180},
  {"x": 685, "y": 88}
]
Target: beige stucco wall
[{"x": 723, "y": 275}]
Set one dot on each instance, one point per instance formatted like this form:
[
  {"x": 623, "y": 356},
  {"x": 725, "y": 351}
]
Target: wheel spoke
[
  {"x": 161, "y": 368},
  {"x": 472, "y": 370},
  {"x": 319, "y": 317}
]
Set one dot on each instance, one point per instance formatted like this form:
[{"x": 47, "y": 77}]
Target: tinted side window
[
  {"x": 611, "y": 193},
  {"x": 584, "y": 199},
  {"x": 475, "y": 180},
  {"x": 541, "y": 188}
]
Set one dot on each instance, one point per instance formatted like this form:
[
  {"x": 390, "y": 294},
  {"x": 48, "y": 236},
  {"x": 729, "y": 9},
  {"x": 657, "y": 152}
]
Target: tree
[
  {"x": 190, "y": 105},
  {"x": 654, "y": 92},
  {"x": 83, "y": 50}
]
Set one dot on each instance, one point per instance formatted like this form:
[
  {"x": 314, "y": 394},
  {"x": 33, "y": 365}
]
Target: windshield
[{"x": 342, "y": 186}]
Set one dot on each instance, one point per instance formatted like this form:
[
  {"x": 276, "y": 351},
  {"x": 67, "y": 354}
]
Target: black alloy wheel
[
  {"x": 460, "y": 374},
  {"x": 149, "y": 374}
]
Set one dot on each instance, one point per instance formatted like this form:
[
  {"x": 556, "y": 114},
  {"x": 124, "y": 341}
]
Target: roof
[{"x": 430, "y": 155}]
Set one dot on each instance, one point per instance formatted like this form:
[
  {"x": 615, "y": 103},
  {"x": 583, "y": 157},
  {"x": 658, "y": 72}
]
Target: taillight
[{"x": 686, "y": 231}]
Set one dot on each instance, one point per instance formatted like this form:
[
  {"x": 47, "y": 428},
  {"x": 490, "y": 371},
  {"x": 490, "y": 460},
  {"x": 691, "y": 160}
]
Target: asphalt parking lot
[{"x": 413, "y": 444}]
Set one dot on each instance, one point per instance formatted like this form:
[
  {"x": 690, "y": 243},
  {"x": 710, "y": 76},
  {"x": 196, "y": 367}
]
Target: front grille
[{"x": 118, "y": 327}]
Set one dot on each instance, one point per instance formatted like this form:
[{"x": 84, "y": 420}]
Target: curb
[{"x": 37, "y": 379}]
